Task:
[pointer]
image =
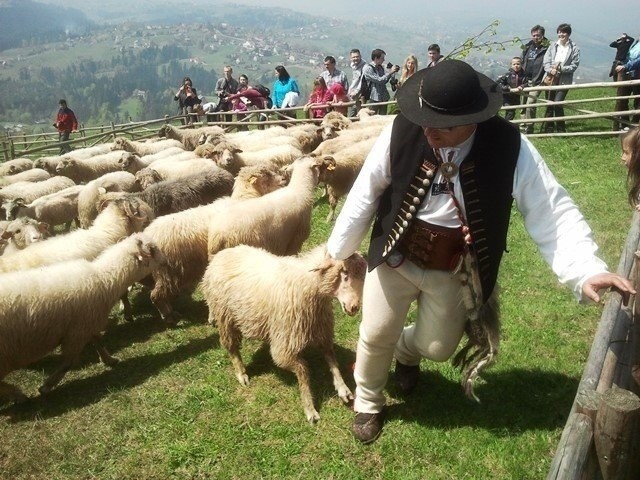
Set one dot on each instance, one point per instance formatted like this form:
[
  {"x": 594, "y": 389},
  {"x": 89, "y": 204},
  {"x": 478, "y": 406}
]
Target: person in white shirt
[
  {"x": 439, "y": 184},
  {"x": 561, "y": 59}
]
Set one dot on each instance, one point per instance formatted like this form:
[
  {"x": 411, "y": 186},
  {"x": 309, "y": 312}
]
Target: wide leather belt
[{"x": 432, "y": 246}]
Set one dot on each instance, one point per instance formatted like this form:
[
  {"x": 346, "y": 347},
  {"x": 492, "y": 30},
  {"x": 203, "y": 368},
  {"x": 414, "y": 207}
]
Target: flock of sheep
[{"x": 227, "y": 211}]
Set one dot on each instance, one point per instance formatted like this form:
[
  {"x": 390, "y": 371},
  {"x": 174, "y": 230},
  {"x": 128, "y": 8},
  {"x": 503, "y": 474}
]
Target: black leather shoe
[
  {"x": 406, "y": 377},
  {"x": 367, "y": 427}
]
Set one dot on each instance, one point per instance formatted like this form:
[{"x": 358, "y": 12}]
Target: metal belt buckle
[{"x": 395, "y": 259}]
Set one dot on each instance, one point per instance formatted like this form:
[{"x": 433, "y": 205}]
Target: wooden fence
[
  {"x": 46, "y": 143},
  {"x": 601, "y": 439}
]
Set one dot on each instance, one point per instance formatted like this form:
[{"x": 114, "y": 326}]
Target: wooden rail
[{"x": 601, "y": 438}]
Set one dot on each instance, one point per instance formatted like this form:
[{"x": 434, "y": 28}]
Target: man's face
[
  {"x": 355, "y": 58},
  {"x": 329, "y": 65},
  {"x": 228, "y": 72},
  {"x": 433, "y": 55},
  {"x": 379, "y": 61},
  {"x": 536, "y": 36},
  {"x": 448, "y": 137},
  {"x": 243, "y": 81}
]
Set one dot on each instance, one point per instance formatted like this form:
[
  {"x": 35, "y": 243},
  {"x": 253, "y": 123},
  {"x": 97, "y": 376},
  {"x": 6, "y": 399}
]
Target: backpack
[
  {"x": 365, "y": 87},
  {"x": 266, "y": 93}
]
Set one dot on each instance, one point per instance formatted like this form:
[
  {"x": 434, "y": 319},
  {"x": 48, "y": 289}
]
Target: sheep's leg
[
  {"x": 103, "y": 353},
  {"x": 338, "y": 382},
  {"x": 12, "y": 393},
  {"x": 127, "y": 311},
  {"x": 231, "y": 338},
  {"x": 161, "y": 300},
  {"x": 301, "y": 370},
  {"x": 333, "y": 203},
  {"x": 53, "y": 379}
]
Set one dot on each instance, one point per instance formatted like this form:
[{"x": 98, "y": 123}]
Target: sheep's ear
[
  {"x": 328, "y": 163},
  {"x": 253, "y": 179},
  {"x": 19, "y": 202},
  {"x": 12, "y": 168},
  {"x": 236, "y": 150},
  {"x": 102, "y": 190},
  {"x": 6, "y": 235}
]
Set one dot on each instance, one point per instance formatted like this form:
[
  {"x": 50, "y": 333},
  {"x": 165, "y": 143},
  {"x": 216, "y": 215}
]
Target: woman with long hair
[
  {"x": 285, "y": 89},
  {"x": 318, "y": 97}
]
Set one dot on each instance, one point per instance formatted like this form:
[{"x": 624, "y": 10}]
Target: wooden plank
[{"x": 576, "y": 449}]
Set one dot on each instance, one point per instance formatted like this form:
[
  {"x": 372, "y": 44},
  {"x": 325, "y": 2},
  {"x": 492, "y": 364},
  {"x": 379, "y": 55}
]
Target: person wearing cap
[{"x": 439, "y": 184}]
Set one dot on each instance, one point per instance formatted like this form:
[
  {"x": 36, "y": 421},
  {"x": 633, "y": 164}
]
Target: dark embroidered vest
[{"x": 486, "y": 178}]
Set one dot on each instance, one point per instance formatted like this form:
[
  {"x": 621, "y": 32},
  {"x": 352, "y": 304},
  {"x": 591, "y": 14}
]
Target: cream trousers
[{"x": 388, "y": 294}]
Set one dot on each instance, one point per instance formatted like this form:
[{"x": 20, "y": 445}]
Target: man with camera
[
  {"x": 225, "y": 86},
  {"x": 376, "y": 79}
]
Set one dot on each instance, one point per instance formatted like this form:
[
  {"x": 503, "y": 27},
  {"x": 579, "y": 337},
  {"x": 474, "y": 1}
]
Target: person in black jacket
[
  {"x": 513, "y": 79},
  {"x": 187, "y": 98},
  {"x": 532, "y": 63},
  {"x": 622, "y": 45}
]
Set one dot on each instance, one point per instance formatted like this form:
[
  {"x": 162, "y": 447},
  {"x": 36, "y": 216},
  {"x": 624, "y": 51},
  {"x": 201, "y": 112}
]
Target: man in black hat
[{"x": 440, "y": 182}]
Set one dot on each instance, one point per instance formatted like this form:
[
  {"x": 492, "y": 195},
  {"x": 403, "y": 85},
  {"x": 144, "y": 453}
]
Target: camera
[{"x": 391, "y": 65}]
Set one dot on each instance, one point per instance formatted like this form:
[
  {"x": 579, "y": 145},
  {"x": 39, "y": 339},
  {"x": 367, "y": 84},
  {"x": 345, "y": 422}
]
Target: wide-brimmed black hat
[{"x": 449, "y": 94}]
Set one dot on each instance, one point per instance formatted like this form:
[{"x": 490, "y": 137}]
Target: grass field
[{"x": 173, "y": 409}]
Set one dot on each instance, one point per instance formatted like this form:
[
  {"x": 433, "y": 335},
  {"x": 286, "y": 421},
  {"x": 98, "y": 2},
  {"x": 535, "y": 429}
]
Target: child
[
  {"x": 319, "y": 96},
  {"x": 514, "y": 78},
  {"x": 338, "y": 98},
  {"x": 630, "y": 143}
]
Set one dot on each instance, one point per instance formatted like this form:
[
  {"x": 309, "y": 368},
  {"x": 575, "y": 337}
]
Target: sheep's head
[
  {"x": 137, "y": 211},
  {"x": 147, "y": 177},
  {"x": 163, "y": 130},
  {"x": 145, "y": 251},
  {"x": 25, "y": 231},
  {"x": 126, "y": 161},
  {"x": 327, "y": 166},
  {"x": 118, "y": 144},
  {"x": 347, "y": 277},
  {"x": 12, "y": 206},
  {"x": 262, "y": 178},
  {"x": 65, "y": 164}
]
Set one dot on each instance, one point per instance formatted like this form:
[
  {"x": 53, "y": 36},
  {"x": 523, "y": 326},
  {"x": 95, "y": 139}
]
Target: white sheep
[
  {"x": 341, "y": 169},
  {"x": 30, "y": 191},
  {"x": 145, "y": 148},
  {"x": 119, "y": 219},
  {"x": 88, "y": 152},
  {"x": 30, "y": 175},
  {"x": 279, "y": 221},
  {"x": 135, "y": 163},
  {"x": 85, "y": 170},
  {"x": 182, "y": 236},
  {"x": 14, "y": 166},
  {"x": 59, "y": 208},
  {"x": 285, "y": 301},
  {"x": 159, "y": 171},
  {"x": 90, "y": 195},
  {"x": 189, "y": 137},
  {"x": 48, "y": 163},
  {"x": 66, "y": 305},
  {"x": 20, "y": 233},
  {"x": 232, "y": 158}
]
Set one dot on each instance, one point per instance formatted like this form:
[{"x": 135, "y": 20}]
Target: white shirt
[{"x": 551, "y": 218}]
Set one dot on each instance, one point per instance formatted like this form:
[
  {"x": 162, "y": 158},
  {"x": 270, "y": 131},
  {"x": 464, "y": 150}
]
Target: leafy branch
[{"x": 482, "y": 41}]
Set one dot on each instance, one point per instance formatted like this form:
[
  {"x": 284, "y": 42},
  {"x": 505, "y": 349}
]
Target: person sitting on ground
[{"x": 318, "y": 99}]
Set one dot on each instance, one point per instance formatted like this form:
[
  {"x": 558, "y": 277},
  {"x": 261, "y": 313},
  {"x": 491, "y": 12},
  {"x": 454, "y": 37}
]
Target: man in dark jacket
[
  {"x": 65, "y": 123},
  {"x": 532, "y": 63}
]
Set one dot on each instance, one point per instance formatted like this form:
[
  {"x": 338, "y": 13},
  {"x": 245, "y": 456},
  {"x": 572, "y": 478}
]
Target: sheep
[
  {"x": 30, "y": 191},
  {"x": 66, "y": 305},
  {"x": 14, "y": 166},
  {"x": 20, "y": 233},
  {"x": 145, "y": 148},
  {"x": 177, "y": 194},
  {"x": 48, "y": 163},
  {"x": 89, "y": 196},
  {"x": 91, "y": 168},
  {"x": 189, "y": 137},
  {"x": 171, "y": 170},
  {"x": 182, "y": 236},
  {"x": 134, "y": 163},
  {"x": 88, "y": 152},
  {"x": 31, "y": 175},
  {"x": 118, "y": 219},
  {"x": 341, "y": 170},
  {"x": 285, "y": 301},
  {"x": 54, "y": 209},
  {"x": 279, "y": 221},
  {"x": 232, "y": 158}
]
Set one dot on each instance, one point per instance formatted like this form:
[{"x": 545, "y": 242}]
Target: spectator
[
  {"x": 561, "y": 59},
  {"x": 332, "y": 75},
  {"x": 247, "y": 99},
  {"x": 338, "y": 98},
  {"x": 243, "y": 83},
  {"x": 513, "y": 79},
  {"x": 187, "y": 99},
  {"x": 356, "y": 81},
  {"x": 285, "y": 90},
  {"x": 630, "y": 143},
  {"x": 450, "y": 215},
  {"x": 433, "y": 53},
  {"x": 630, "y": 70},
  {"x": 225, "y": 86},
  {"x": 376, "y": 77},
  {"x": 533, "y": 65},
  {"x": 66, "y": 122},
  {"x": 318, "y": 99},
  {"x": 409, "y": 67}
]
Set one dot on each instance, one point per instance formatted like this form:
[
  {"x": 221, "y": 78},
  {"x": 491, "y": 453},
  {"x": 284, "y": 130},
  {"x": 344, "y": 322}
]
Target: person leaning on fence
[
  {"x": 560, "y": 61},
  {"x": 513, "y": 79},
  {"x": 355, "y": 86},
  {"x": 631, "y": 67},
  {"x": 533, "y": 65},
  {"x": 439, "y": 184},
  {"x": 66, "y": 122},
  {"x": 187, "y": 98},
  {"x": 630, "y": 146}
]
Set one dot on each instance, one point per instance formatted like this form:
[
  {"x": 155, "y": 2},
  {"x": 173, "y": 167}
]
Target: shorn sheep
[
  {"x": 285, "y": 301},
  {"x": 59, "y": 208},
  {"x": 85, "y": 170},
  {"x": 182, "y": 236},
  {"x": 65, "y": 305},
  {"x": 30, "y": 191},
  {"x": 119, "y": 219}
]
